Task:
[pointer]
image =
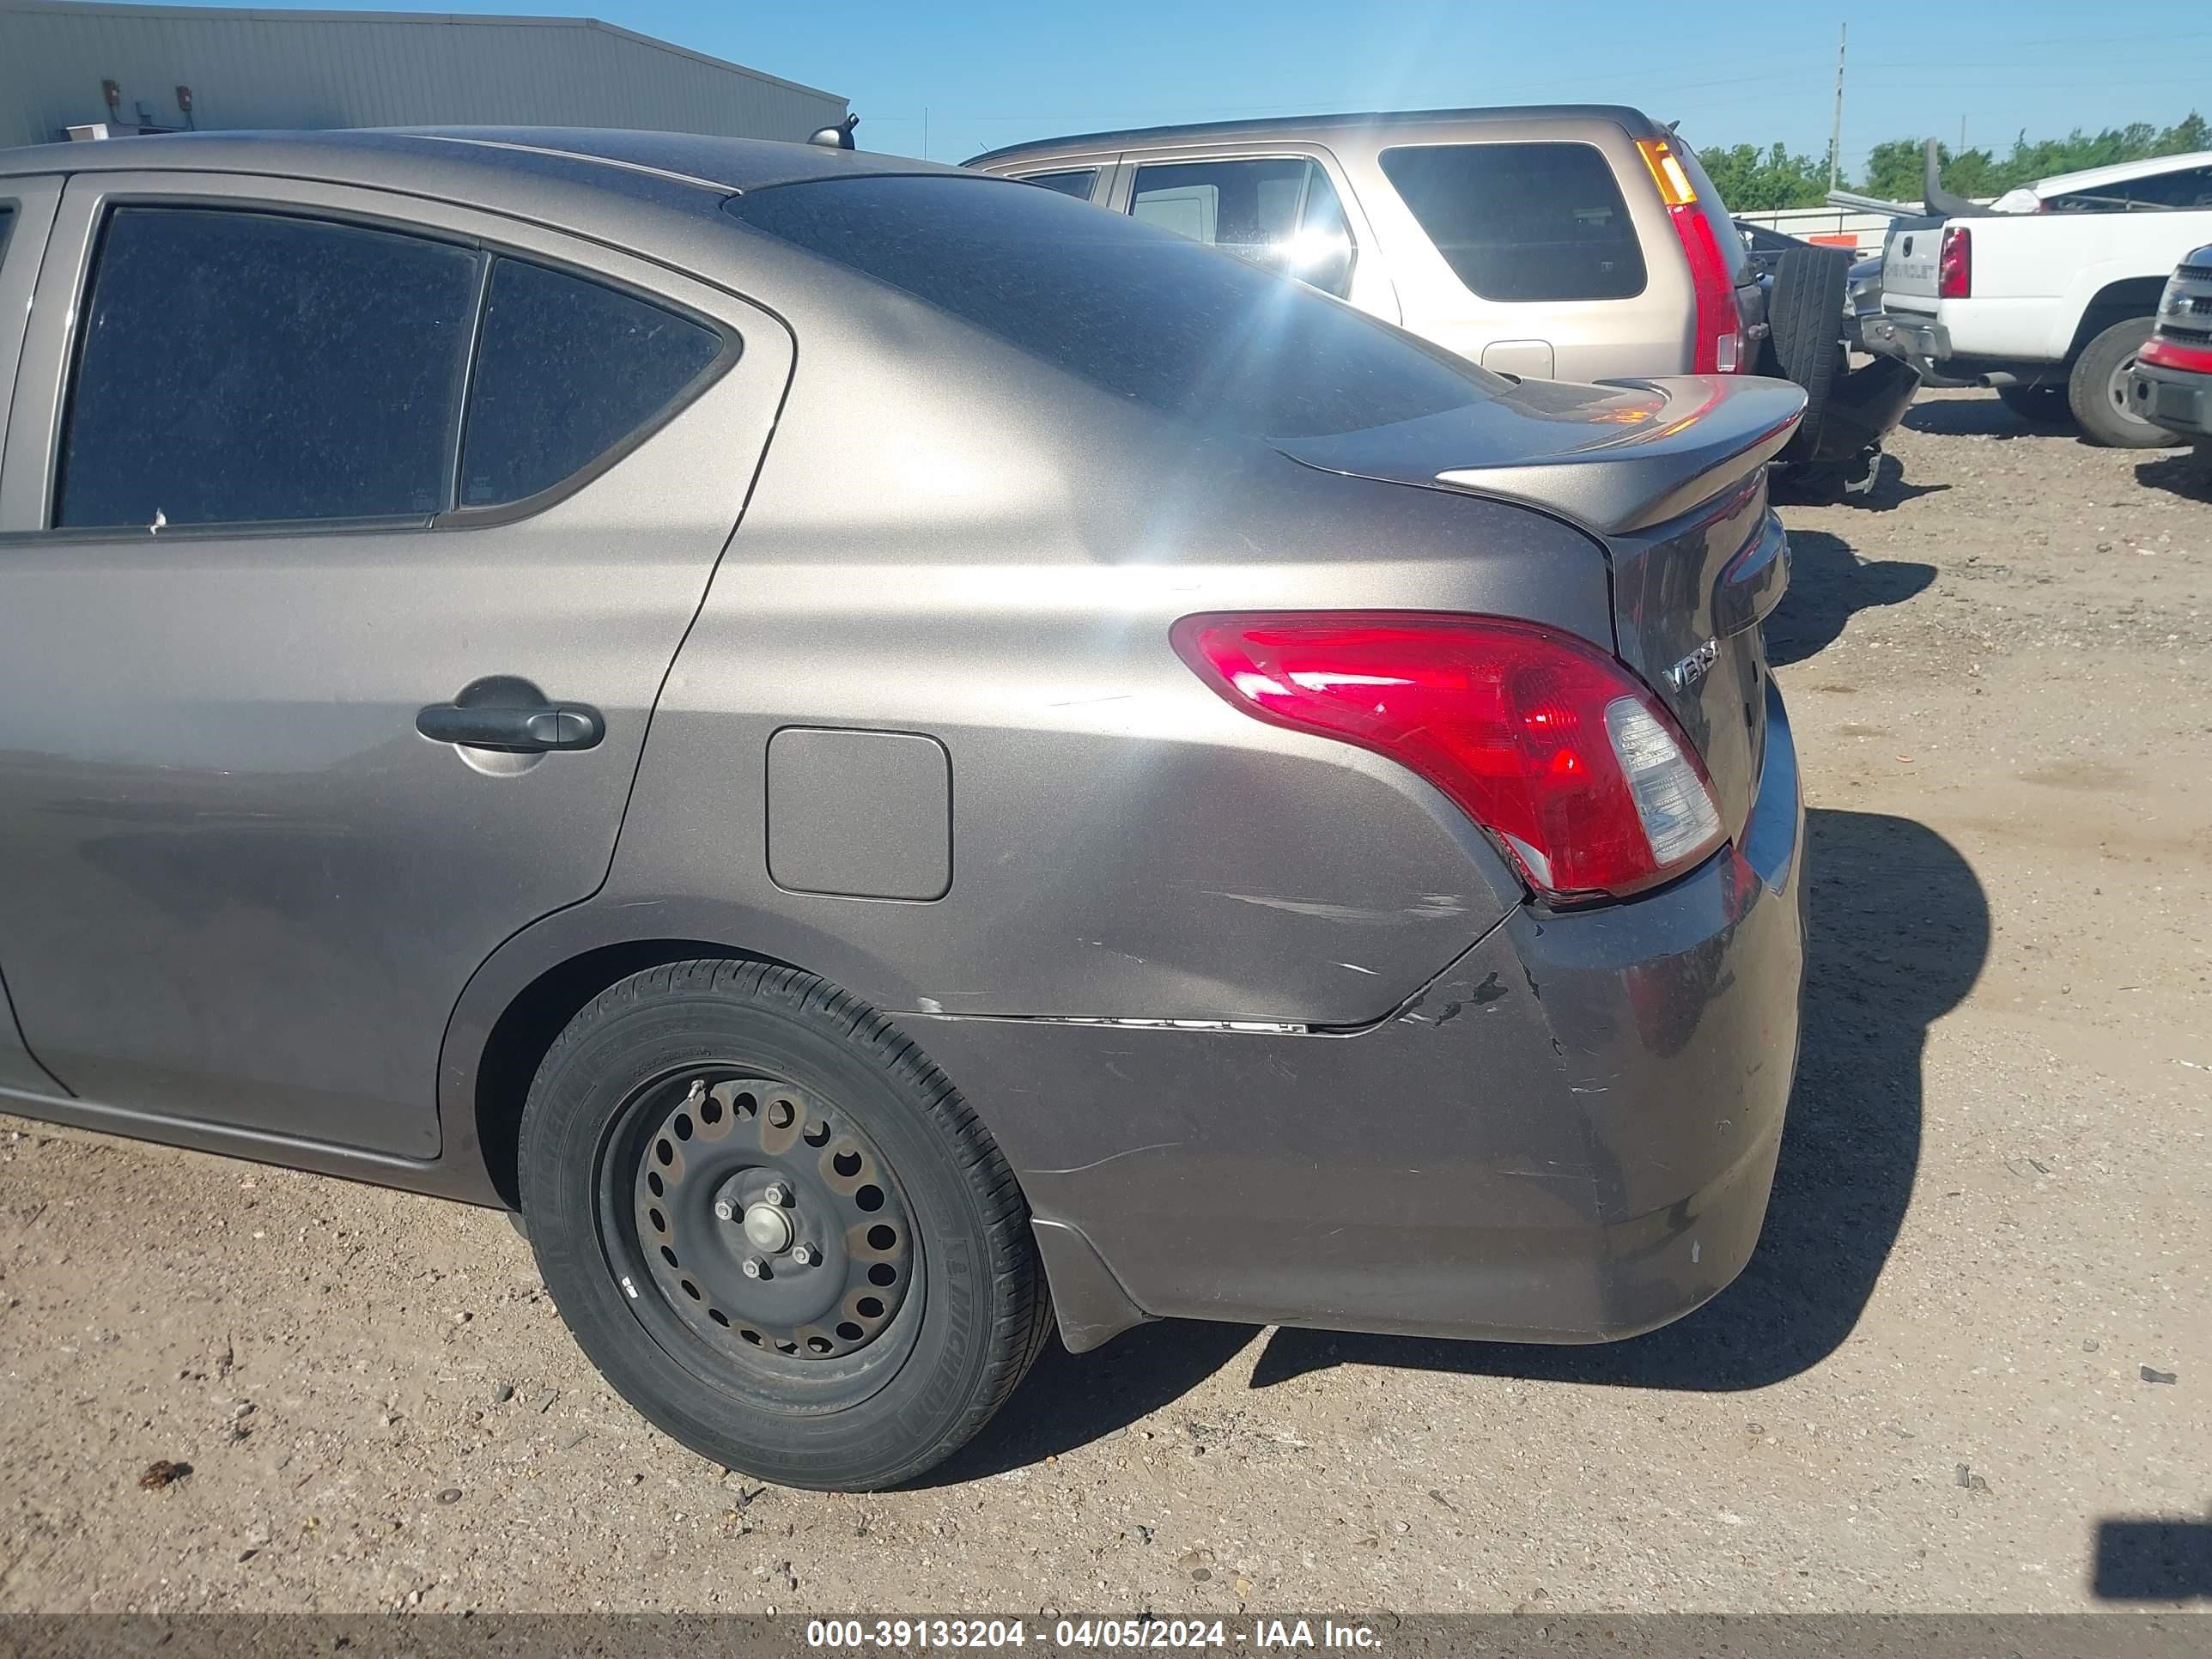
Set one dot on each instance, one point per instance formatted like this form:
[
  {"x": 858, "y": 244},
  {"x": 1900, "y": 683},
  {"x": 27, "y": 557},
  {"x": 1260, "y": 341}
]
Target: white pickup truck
[{"x": 2048, "y": 295}]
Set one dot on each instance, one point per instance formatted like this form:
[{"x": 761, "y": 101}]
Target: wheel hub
[
  {"x": 768, "y": 1221},
  {"x": 768, "y": 1228}
]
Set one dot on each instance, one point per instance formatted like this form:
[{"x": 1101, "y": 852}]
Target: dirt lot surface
[{"x": 1970, "y": 1366}]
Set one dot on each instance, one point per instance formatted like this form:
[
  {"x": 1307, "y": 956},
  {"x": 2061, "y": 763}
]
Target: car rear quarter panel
[{"x": 950, "y": 539}]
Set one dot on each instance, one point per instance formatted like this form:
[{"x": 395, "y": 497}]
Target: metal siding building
[{"x": 334, "y": 68}]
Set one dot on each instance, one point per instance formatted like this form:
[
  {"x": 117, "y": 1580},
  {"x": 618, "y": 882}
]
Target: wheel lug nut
[
  {"x": 805, "y": 1255},
  {"x": 777, "y": 1192},
  {"x": 724, "y": 1211},
  {"x": 751, "y": 1269}
]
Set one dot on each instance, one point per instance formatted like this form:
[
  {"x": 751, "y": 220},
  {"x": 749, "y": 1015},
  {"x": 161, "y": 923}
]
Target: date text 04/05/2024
[{"x": 900, "y": 1634}]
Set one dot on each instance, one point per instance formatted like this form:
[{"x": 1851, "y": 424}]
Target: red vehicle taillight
[
  {"x": 1720, "y": 342},
  {"x": 1955, "y": 267},
  {"x": 1550, "y": 745}
]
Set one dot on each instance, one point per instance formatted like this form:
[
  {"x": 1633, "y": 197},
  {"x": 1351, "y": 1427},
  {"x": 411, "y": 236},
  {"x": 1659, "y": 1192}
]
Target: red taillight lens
[
  {"x": 1719, "y": 348},
  {"x": 1955, "y": 268},
  {"x": 1547, "y": 743}
]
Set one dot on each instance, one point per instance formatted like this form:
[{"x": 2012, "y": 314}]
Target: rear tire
[
  {"x": 691, "y": 1148},
  {"x": 1805, "y": 322},
  {"x": 2044, "y": 404},
  {"x": 2097, "y": 390}
]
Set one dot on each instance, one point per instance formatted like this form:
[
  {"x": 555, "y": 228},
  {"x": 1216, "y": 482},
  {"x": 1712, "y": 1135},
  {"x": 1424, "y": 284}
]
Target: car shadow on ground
[
  {"x": 1899, "y": 930},
  {"x": 2187, "y": 474},
  {"x": 2152, "y": 1561},
  {"x": 1985, "y": 417},
  {"x": 1828, "y": 585},
  {"x": 1890, "y": 491}
]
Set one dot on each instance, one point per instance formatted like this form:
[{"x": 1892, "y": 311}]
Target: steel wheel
[
  {"x": 776, "y": 1227},
  {"x": 766, "y": 1223}
]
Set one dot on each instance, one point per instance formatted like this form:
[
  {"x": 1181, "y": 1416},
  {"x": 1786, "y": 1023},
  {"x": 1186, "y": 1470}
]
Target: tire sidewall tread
[
  {"x": 985, "y": 1315},
  {"x": 2087, "y": 393}
]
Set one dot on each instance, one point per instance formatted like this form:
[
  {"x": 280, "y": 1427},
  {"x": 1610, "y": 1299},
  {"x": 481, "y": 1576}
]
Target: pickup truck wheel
[
  {"x": 2044, "y": 404},
  {"x": 776, "y": 1228},
  {"x": 2098, "y": 390}
]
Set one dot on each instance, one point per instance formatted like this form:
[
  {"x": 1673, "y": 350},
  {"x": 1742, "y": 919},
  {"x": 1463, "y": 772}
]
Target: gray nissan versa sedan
[{"x": 888, "y": 756}]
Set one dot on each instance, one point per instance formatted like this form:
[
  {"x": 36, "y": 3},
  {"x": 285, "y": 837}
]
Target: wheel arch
[
  {"x": 518, "y": 1039},
  {"x": 2115, "y": 302}
]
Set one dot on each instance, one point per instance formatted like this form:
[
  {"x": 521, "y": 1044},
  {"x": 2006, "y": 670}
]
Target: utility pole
[
  {"x": 1962, "y": 134},
  {"x": 925, "y": 132},
  {"x": 1836, "y": 126}
]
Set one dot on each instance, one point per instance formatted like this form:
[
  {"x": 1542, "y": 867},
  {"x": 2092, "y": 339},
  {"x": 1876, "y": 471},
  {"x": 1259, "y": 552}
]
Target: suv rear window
[
  {"x": 1523, "y": 221},
  {"x": 1132, "y": 309}
]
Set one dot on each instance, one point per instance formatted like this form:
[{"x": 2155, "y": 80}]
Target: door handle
[{"x": 528, "y": 730}]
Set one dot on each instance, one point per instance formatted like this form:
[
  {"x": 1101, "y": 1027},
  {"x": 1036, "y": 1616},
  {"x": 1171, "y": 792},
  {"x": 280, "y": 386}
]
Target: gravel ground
[{"x": 1969, "y": 1368}]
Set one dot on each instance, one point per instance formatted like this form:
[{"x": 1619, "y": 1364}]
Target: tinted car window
[
  {"x": 7, "y": 224},
  {"x": 1523, "y": 222},
  {"x": 1077, "y": 184},
  {"x": 2189, "y": 187},
  {"x": 566, "y": 370},
  {"x": 236, "y": 367},
  {"x": 1281, "y": 213},
  {"x": 1139, "y": 311}
]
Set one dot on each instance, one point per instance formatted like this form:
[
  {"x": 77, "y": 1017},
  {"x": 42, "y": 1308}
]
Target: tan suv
[{"x": 1578, "y": 242}]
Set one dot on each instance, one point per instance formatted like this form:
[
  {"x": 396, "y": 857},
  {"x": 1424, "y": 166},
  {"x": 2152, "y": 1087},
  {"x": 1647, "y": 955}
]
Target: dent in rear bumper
[{"x": 1569, "y": 1136}]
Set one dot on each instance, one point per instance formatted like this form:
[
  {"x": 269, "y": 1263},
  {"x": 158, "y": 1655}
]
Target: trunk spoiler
[{"x": 1611, "y": 459}]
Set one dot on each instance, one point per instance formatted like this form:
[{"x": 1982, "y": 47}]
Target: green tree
[
  {"x": 1894, "y": 168},
  {"x": 1752, "y": 180}
]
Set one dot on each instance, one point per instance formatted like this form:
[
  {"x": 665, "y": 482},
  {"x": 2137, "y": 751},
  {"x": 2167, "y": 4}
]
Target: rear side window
[
  {"x": 2189, "y": 187},
  {"x": 566, "y": 370},
  {"x": 1523, "y": 221},
  {"x": 240, "y": 367},
  {"x": 1281, "y": 213},
  {"x": 236, "y": 365},
  {"x": 7, "y": 224},
  {"x": 1139, "y": 312},
  {"x": 1077, "y": 184}
]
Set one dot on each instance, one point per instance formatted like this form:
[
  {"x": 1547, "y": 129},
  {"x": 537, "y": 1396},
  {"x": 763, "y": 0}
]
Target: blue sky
[{"x": 1753, "y": 70}]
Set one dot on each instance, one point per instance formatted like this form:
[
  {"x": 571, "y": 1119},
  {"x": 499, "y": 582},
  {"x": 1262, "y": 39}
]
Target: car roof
[
  {"x": 1634, "y": 120},
  {"x": 2120, "y": 173},
  {"x": 587, "y": 155}
]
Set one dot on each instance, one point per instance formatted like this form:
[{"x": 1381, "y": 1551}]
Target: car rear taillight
[
  {"x": 1955, "y": 267},
  {"x": 1719, "y": 347},
  {"x": 1550, "y": 746}
]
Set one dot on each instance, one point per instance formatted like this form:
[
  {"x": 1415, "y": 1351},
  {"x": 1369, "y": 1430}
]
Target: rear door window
[
  {"x": 7, "y": 223},
  {"x": 1136, "y": 310},
  {"x": 240, "y": 367},
  {"x": 1080, "y": 183},
  {"x": 1281, "y": 213},
  {"x": 567, "y": 371},
  {"x": 1523, "y": 222}
]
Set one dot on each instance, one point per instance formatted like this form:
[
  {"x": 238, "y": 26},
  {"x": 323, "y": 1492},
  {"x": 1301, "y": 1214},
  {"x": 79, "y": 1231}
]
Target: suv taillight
[
  {"x": 1955, "y": 267},
  {"x": 1720, "y": 343},
  {"x": 1551, "y": 747}
]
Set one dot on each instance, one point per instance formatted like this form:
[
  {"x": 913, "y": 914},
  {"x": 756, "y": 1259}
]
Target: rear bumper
[
  {"x": 2175, "y": 398},
  {"x": 1569, "y": 1136}
]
